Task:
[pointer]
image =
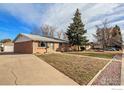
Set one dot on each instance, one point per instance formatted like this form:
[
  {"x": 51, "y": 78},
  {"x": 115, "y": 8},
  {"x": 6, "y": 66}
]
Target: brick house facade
[{"x": 27, "y": 43}]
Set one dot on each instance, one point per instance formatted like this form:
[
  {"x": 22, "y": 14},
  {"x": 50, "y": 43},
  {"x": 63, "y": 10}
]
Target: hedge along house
[{"x": 28, "y": 43}]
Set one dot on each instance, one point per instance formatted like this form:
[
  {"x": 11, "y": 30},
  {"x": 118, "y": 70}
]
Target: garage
[{"x": 8, "y": 48}]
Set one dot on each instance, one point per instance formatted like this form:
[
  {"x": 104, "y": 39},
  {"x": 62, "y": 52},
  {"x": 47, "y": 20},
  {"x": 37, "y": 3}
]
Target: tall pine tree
[{"x": 76, "y": 31}]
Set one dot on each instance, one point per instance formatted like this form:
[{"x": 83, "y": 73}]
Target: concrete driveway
[{"x": 27, "y": 69}]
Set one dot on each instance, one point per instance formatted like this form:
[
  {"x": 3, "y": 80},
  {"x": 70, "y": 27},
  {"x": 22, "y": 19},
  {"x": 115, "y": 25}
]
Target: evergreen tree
[
  {"x": 76, "y": 31},
  {"x": 117, "y": 37}
]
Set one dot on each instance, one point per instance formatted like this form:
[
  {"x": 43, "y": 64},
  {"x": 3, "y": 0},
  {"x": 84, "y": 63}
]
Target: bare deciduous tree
[
  {"x": 48, "y": 30},
  {"x": 104, "y": 36},
  {"x": 52, "y": 30},
  {"x": 59, "y": 34},
  {"x": 45, "y": 30}
]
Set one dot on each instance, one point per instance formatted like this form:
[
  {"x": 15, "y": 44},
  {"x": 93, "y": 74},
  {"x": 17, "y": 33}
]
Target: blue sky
[{"x": 23, "y": 18}]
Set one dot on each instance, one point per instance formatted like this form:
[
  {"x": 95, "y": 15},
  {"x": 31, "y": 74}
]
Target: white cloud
[
  {"x": 59, "y": 15},
  {"x": 25, "y": 12},
  {"x": 62, "y": 13}
]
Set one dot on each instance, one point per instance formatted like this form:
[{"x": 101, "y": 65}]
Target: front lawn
[
  {"x": 97, "y": 54},
  {"x": 80, "y": 69}
]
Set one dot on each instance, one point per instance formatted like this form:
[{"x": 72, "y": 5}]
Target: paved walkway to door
[{"x": 27, "y": 69}]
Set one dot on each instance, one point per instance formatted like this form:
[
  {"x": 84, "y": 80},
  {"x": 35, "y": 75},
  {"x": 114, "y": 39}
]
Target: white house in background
[{"x": 7, "y": 47}]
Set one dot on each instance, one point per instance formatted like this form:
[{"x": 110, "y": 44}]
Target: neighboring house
[
  {"x": 7, "y": 47},
  {"x": 88, "y": 46},
  {"x": 28, "y": 43},
  {"x": 97, "y": 46}
]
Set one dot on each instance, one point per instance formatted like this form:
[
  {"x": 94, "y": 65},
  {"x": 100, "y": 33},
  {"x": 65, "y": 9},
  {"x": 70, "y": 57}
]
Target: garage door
[{"x": 8, "y": 48}]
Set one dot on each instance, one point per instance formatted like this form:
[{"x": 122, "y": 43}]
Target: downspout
[{"x": 46, "y": 47}]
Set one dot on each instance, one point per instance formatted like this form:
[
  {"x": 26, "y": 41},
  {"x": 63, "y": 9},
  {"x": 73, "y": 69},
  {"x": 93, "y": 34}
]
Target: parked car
[{"x": 110, "y": 49}]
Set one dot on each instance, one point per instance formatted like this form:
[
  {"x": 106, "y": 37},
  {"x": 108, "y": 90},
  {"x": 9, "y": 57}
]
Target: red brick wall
[
  {"x": 37, "y": 49},
  {"x": 23, "y": 47},
  {"x": 29, "y": 47},
  {"x": 56, "y": 46}
]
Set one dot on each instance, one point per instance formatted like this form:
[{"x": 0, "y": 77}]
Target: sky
[{"x": 24, "y": 18}]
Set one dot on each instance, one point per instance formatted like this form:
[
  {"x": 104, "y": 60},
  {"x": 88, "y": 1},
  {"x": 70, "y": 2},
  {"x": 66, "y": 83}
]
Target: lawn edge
[
  {"x": 87, "y": 56},
  {"x": 92, "y": 57}
]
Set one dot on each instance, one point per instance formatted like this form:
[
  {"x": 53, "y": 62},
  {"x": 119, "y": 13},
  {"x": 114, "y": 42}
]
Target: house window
[{"x": 42, "y": 44}]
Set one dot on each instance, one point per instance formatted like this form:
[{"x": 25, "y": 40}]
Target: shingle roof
[{"x": 41, "y": 38}]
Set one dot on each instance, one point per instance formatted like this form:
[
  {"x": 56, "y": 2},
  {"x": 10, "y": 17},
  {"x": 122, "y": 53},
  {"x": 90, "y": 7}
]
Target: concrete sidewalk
[{"x": 27, "y": 69}]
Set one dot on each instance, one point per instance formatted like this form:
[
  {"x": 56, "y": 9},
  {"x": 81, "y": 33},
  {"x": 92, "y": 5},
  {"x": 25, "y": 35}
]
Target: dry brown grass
[{"x": 80, "y": 69}]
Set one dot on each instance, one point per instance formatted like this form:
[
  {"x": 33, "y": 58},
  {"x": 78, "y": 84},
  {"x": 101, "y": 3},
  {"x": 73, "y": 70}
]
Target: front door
[{"x": 51, "y": 47}]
